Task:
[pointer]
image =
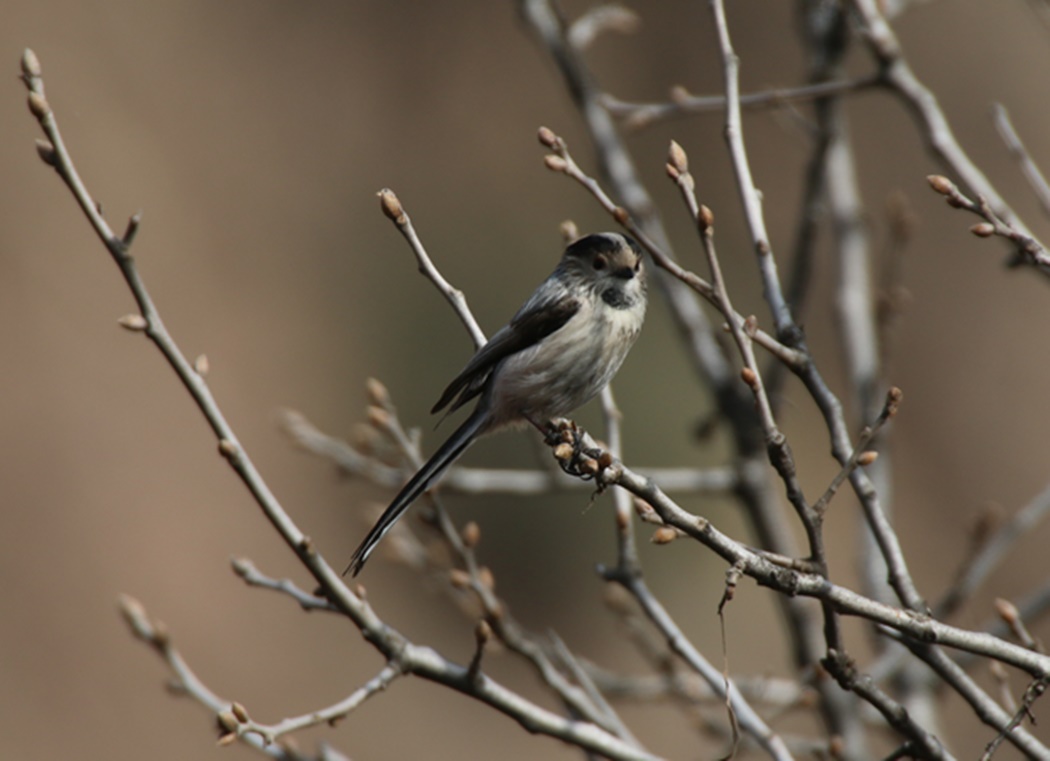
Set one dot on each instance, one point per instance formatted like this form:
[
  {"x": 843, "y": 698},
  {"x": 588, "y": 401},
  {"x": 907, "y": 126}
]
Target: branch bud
[
  {"x": 378, "y": 417},
  {"x": 664, "y": 535},
  {"x": 555, "y": 163},
  {"x": 46, "y": 152},
  {"x": 471, "y": 535},
  {"x": 940, "y": 184},
  {"x": 30, "y": 64},
  {"x": 459, "y": 578},
  {"x": 706, "y": 218},
  {"x": 133, "y": 322},
  {"x": 867, "y": 458},
  {"x": 377, "y": 392},
  {"x": 239, "y": 711},
  {"x": 391, "y": 206},
  {"x": 38, "y": 105},
  {"x": 547, "y": 137},
  {"x": 201, "y": 365},
  {"x": 983, "y": 230},
  {"x": 677, "y": 158},
  {"x": 227, "y": 722},
  {"x": 1007, "y": 611}
]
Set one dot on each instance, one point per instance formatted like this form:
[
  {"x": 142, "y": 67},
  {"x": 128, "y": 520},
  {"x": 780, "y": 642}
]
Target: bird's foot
[{"x": 571, "y": 451}]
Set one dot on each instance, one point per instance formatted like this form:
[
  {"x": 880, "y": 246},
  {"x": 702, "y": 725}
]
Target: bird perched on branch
[{"x": 558, "y": 352}]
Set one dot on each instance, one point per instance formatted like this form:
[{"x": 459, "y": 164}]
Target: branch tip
[
  {"x": 940, "y": 184},
  {"x": 391, "y": 206},
  {"x": 30, "y": 65},
  {"x": 706, "y": 218},
  {"x": 677, "y": 158},
  {"x": 377, "y": 392}
]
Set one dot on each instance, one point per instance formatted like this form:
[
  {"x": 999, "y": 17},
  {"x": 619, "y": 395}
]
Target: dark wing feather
[{"x": 530, "y": 326}]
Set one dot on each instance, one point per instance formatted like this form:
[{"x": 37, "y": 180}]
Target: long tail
[{"x": 456, "y": 444}]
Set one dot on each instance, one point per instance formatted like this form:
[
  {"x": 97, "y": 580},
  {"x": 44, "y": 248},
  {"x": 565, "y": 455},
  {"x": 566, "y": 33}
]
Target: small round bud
[
  {"x": 1006, "y": 610},
  {"x": 956, "y": 202},
  {"x": 133, "y": 322},
  {"x": 391, "y": 206},
  {"x": 377, "y": 392},
  {"x": 239, "y": 711},
  {"x": 749, "y": 377},
  {"x": 201, "y": 365},
  {"x": 555, "y": 163},
  {"x": 30, "y": 64},
  {"x": 242, "y": 566},
  {"x": 377, "y": 416},
  {"x": 471, "y": 534},
  {"x": 547, "y": 137},
  {"x": 227, "y": 448},
  {"x": 38, "y": 105},
  {"x": 706, "y": 218},
  {"x": 227, "y": 722},
  {"x": 459, "y": 578},
  {"x": 679, "y": 94},
  {"x": 983, "y": 230},
  {"x": 483, "y": 632},
  {"x": 161, "y": 634},
  {"x": 589, "y": 467},
  {"x": 643, "y": 508},
  {"x": 620, "y": 215},
  {"x": 677, "y": 158},
  {"x": 563, "y": 452},
  {"x": 569, "y": 231},
  {"x": 867, "y": 458},
  {"x": 487, "y": 578},
  {"x": 940, "y": 184},
  {"x": 46, "y": 152},
  {"x": 227, "y": 739},
  {"x": 605, "y": 459},
  {"x": 664, "y": 535}
]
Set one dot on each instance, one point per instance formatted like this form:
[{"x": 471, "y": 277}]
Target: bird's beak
[{"x": 624, "y": 273}]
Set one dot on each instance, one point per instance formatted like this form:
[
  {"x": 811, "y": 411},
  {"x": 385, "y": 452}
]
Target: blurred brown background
[{"x": 253, "y": 136}]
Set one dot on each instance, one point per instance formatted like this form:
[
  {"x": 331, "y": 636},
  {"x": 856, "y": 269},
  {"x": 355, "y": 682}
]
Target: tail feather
[{"x": 456, "y": 444}]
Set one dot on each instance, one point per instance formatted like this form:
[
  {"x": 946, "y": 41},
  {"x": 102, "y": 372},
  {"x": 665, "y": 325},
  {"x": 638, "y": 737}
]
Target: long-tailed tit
[{"x": 558, "y": 352}]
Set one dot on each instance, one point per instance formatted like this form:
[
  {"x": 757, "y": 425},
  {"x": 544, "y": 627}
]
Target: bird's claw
[{"x": 572, "y": 455}]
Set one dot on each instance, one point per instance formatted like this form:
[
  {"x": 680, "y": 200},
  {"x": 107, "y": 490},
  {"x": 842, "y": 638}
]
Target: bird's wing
[{"x": 534, "y": 322}]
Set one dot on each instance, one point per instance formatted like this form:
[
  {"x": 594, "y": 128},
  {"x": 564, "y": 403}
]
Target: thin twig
[
  {"x": 637, "y": 116},
  {"x": 1017, "y": 150},
  {"x": 396, "y": 213}
]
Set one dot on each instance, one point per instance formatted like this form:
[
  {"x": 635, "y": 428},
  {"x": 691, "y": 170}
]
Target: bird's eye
[{"x": 600, "y": 262}]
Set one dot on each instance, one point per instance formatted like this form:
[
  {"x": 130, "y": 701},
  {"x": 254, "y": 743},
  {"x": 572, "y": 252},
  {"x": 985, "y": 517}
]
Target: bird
[{"x": 558, "y": 351}]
